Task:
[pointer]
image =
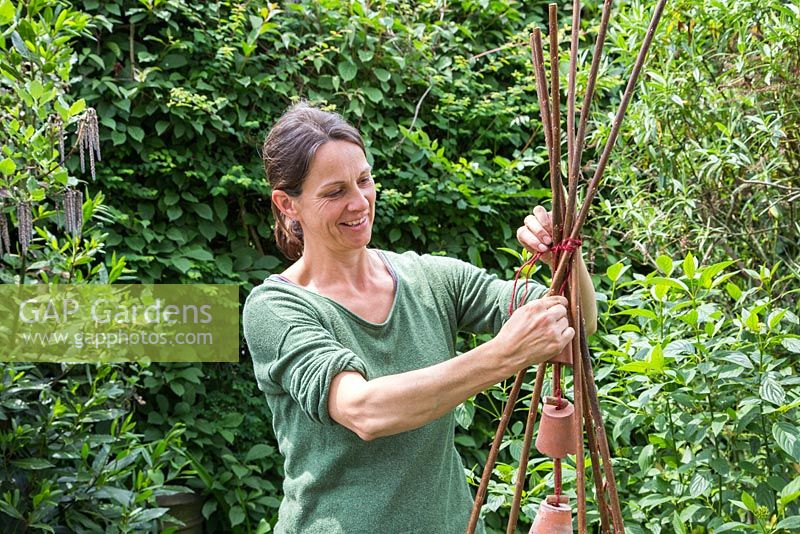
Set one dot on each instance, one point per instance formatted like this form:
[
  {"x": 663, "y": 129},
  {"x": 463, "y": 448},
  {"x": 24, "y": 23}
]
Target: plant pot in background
[{"x": 186, "y": 507}]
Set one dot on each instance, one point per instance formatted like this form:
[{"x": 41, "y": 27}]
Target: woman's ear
[{"x": 284, "y": 203}]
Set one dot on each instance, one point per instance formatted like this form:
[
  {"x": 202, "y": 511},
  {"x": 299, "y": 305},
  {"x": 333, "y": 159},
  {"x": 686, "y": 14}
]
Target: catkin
[
  {"x": 73, "y": 211},
  {"x": 25, "y": 225},
  {"x": 5, "y": 242},
  {"x": 89, "y": 140}
]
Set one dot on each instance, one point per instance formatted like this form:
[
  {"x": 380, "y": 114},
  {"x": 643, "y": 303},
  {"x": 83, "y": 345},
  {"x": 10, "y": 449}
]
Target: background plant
[{"x": 70, "y": 459}]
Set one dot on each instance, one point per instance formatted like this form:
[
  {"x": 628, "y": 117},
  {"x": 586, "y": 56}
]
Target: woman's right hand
[{"x": 536, "y": 332}]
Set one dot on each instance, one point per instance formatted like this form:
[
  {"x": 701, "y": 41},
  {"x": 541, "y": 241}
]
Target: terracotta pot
[
  {"x": 564, "y": 357},
  {"x": 556, "y": 436},
  {"x": 187, "y": 508},
  {"x": 552, "y": 519}
]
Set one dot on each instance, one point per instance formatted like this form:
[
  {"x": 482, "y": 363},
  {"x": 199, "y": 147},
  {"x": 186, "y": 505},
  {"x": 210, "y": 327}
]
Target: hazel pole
[
  {"x": 597, "y": 474},
  {"x": 555, "y": 124},
  {"x": 526, "y": 447},
  {"x": 541, "y": 94},
  {"x": 602, "y": 439},
  {"x": 569, "y": 210},
  {"x": 594, "y": 453},
  {"x": 591, "y": 190},
  {"x": 480, "y": 495},
  {"x": 577, "y": 369},
  {"x": 590, "y": 85},
  {"x": 555, "y": 184}
]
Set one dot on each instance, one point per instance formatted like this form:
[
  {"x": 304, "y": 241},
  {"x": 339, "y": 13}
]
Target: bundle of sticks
[{"x": 567, "y": 228}]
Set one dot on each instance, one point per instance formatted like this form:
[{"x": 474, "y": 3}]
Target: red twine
[{"x": 567, "y": 245}]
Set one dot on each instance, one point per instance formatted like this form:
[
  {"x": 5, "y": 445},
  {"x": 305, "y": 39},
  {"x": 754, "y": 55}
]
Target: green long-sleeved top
[{"x": 412, "y": 482}]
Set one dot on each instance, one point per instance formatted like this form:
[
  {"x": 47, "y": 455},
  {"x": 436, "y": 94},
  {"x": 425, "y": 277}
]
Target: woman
[{"x": 355, "y": 347}]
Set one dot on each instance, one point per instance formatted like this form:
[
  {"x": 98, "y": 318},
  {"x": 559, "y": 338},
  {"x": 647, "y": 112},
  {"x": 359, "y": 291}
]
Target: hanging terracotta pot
[
  {"x": 556, "y": 435},
  {"x": 565, "y": 356},
  {"x": 554, "y": 517}
]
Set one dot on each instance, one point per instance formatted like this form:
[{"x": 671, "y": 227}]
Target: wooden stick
[
  {"x": 602, "y": 440},
  {"x": 569, "y": 210},
  {"x": 492, "y": 458},
  {"x": 587, "y": 98},
  {"x": 541, "y": 91},
  {"x": 591, "y": 190},
  {"x": 555, "y": 124},
  {"x": 577, "y": 369},
  {"x": 597, "y": 474},
  {"x": 522, "y": 471}
]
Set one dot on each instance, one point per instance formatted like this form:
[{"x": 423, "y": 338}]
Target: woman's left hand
[{"x": 536, "y": 234}]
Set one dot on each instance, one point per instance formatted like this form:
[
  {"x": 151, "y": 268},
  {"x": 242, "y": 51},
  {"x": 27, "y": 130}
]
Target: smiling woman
[{"x": 354, "y": 347}]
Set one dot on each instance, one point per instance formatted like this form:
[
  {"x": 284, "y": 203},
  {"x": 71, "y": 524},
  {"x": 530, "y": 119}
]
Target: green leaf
[
  {"x": 178, "y": 388},
  {"x": 656, "y": 359},
  {"x": 636, "y": 366},
  {"x": 614, "y": 272},
  {"x": 464, "y": 414},
  {"x": 77, "y": 107},
  {"x": 739, "y": 359},
  {"x": 122, "y": 496},
  {"x": 174, "y": 61},
  {"x": 204, "y": 211},
  {"x": 6, "y": 12},
  {"x": 232, "y": 420},
  {"x": 733, "y": 290},
  {"x": 786, "y": 436},
  {"x": 790, "y": 523},
  {"x": 790, "y": 492},
  {"x": 771, "y": 391},
  {"x": 199, "y": 254},
  {"x": 7, "y": 166},
  {"x": 21, "y": 47},
  {"x": 259, "y": 451},
  {"x": 136, "y": 133},
  {"x": 749, "y": 502},
  {"x": 118, "y": 138},
  {"x": 373, "y": 94},
  {"x": 394, "y": 234},
  {"x": 236, "y": 515},
  {"x": 174, "y": 212},
  {"x": 32, "y": 463},
  {"x": 677, "y": 524},
  {"x": 699, "y": 485},
  {"x": 664, "y": 263},
  {"x": 689, "y": 266},
  {"x": 347, "y": 70},
  {"x": 382, "y": 74},
  {"x": 792, "y": 344},
  {"x": 182, "y": 264}
]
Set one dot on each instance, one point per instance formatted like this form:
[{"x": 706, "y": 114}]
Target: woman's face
[{"x": 337, "y": 206}]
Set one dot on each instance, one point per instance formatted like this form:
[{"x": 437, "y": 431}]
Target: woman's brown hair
[{"x": 288, "y": 152}]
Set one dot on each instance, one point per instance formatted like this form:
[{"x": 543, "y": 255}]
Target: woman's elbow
[
  {"x": 590, "y": 327},
  {"x": 349, "y": 405}
]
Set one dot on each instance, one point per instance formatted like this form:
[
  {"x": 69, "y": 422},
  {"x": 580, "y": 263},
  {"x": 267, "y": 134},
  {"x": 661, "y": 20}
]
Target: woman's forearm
[
  {"x": 588, "y": 297},
  {"x": 396, "y": 403}
]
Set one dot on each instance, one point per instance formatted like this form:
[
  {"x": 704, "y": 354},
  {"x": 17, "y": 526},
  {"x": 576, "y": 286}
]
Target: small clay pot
[
  {"x": 564, "y": 357},
  {"x": 556, "y": 436},
  {"x": 552, "y": 519}
]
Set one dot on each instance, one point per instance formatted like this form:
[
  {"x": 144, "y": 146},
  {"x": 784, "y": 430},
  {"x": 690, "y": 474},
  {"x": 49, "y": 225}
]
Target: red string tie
[{"x": 567, "y": 245}]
